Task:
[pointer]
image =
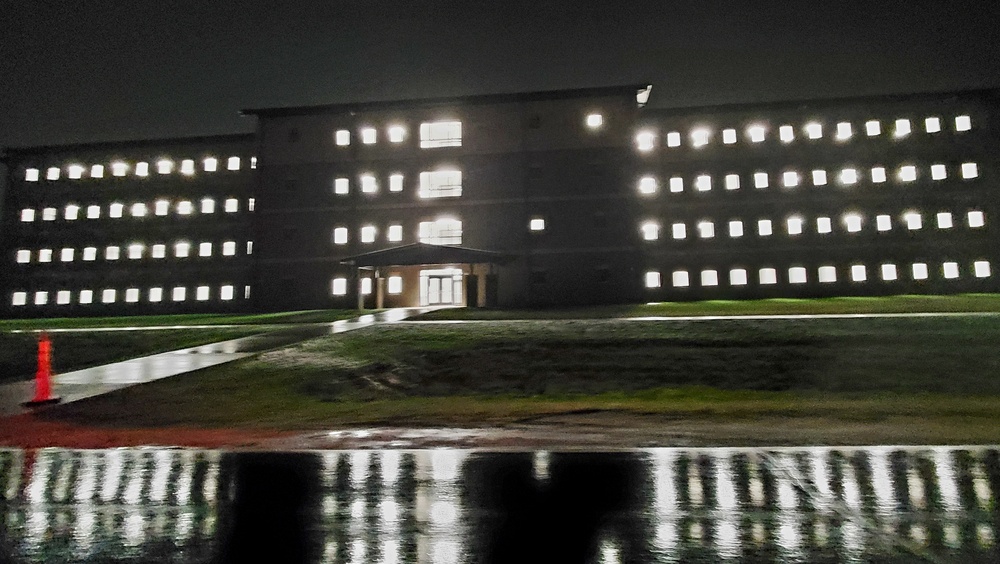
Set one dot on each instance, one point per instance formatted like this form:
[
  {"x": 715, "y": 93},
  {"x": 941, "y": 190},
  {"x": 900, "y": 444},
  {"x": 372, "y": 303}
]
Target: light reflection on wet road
[{"x": 448, "y": 505}]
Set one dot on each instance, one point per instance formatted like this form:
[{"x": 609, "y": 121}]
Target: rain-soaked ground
[{"x": 873, "y": 504}]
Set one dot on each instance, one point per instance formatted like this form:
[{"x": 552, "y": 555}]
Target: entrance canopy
[{"x": 425, "y": 253}]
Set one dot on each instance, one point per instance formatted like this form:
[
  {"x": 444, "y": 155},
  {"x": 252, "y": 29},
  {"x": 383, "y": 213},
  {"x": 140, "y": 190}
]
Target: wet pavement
[{"x": 876, "y": 504}]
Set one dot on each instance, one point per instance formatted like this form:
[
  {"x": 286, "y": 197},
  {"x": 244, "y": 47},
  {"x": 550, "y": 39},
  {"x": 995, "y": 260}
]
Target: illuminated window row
[
  {"x": 117, "y": 210},
  {"x": 650, "y": 185},
  {"x": 796, "y": 225},
  {"x": 186, "y": 167},
  {"x": 432, "y": 134},
  {"x": 155, "y": 294},
  {"x": 433, "y": 184},
  {"x": 443, "y": 231},
  {"x": 134, "y": 251},
  {"x": 700, "y": 136},
  {"x": 394, "y": 285},
  {"x": 886, "y": 272}
]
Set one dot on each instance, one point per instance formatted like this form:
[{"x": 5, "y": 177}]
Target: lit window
[
  {"x": 700, "y": 137},
  {"x": 976, "y": 219},
  {"x": 109, "y": 296},
  {"x": 31, "y": 175},
  {"x": 205, "y": 249},
  {"x": 368, "y": 184},
  {"x": 444, "y": 231},
  {"x": 249, "y": 249},
  {"x": 75, "y": 172},
  {"x": 45, "y": 255},
  {"x": 764, "y": 227},
  {"x": 27, "y": 215},
  {"x": 97, "y": 171},
  {"x": 93, "y": 212},
  {"x": 768, "y": 276},
  {"x": 161, "y": 207},
  {"x": 343, "y": 137},
  {"x": 594, "y": 121},
  {"x": 703, "y": 183},
  {"x": 202, "y": 293},
  {"x": 883, "y": 223},
  {"x": 912, "y": 220},
  {"x": 824, "y": 225},
  {"x": 395, "y": 233},
  {"x": 66, "y": 255},
  {"x": 797, "y": 275},
  {"x": 878, "y": 175},
  {"x": 155, "y": 294},
  {"x": 873, "y": 128},
  {"x": 814, "y": 130},
  {"x": 366, "y": 286},
  {"x": 674, "y": 139},
  {"x": 859, "y": 273},
  {"x": 728, "y": 136},
  {"x": 185, "y": 207},
  {"x": 440, "y": 184},
  {"x": 228, "y": 248},
  {"x": 650, "y": 231},
  {"x": 207, "y": 205},
  {"x": 827, "y": 274},
  {"x": 738, "y": 277},
  {"x": 932, "y": 124},
  {"x": 396, "y": 134},
  {"x": 647, "y": 185},
  {"x": 735, "y": 229},
  {"x": 396, "y": 183},
  {"x": 732, "y": 182},
  {"x": 71, "y": 212},
  {"x": 652, "y": 279},
  {"x": 760, "y": 180},
  {"x": 852, "y": 222},
  {"x": 159, "y": 251},
  {"x": 233, "y": 163},
  {"x": 86, "y": 296},
  {"x": 135, "y": 251},
  {"x": 210, "y": 164},
  {"x": 41, "y": 298},
  {"x": 709, "y": 278},
  {"x": 112, "y": 253},
  {"x": 939, "y": 172},
  {"x": 226, "y": 293},
  {"x": 19, "y": 298},
  {"x": 970, "y": 170},
  {"x": 819, "y": 177},
  {"x": 844, "y": 131},
  {"x": 944, "y": 220},
  {"x": 678, "y": 231},
  {"x": 756, "y": 133},
  {"x": 889, "y": 272},
  {"x": 119, "y": 168},
  {"x": 339, "y": 287},
  {"x": 441, "y": 134},
  {"x": 340, "y": 236},
  {"x": 187, "y": 167},
  {"x": 52, "y": 173},
  {"x": 981, "y": 268},
  {"x": 790, "y": 179},
  {"x": 341, "y": 186},
  {"x": 963, "y": 123},
  {"x": 89, "y": 253},
  {"x": 131, "y": 295},
  {"x": 368, "y": 135},
  {"x": 63, "y": 297},
  {"x": 142, "y": 169},
  {"x": 902, "y": 128},
  {"x": 395, "y": 285},
  {"x": 680, "y": 279},
  {"x": 786, "y": 133},
  {"x": 138, "y": 210},
  {"x": 231, "y": 205},
  {"x": 115, "y": 210},
  {"x": 676, "y": 184},
  {"x": 178, "y": 294},
  {"x": 182, "y": 249},
  {"x": 537, "y": 224},
  {"x": 368, "y": 234},
  {"x": 23, "y": 256},
  {"x": 848, "y": 176},
  {"x": 49, "y": 214},
  {"x": 908, "y": 173},
  {"x": 919, "y": 271},
  {"x": 645, "y": 140},
  {"x": 950, "y": 270},
  {"x": 164, "y": 167},
  {"x": 794, "y": 225}
]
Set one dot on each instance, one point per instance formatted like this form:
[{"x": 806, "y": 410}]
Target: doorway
[{"x": 441, "y": 286}]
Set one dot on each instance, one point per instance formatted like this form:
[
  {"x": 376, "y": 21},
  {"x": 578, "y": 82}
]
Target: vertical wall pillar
[
  {"x": 379, "y": 289},
  {"x": 361, "y": 295}
]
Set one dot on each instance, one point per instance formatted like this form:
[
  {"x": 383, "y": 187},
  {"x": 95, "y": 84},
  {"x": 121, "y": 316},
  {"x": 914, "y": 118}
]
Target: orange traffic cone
[{"x": 43, "y": 377}]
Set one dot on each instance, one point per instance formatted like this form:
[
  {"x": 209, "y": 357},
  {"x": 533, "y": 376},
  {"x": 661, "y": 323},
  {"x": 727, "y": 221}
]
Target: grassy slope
[
  {"x": 922, "y": 379},
  {"x": 309, "y": 316}
]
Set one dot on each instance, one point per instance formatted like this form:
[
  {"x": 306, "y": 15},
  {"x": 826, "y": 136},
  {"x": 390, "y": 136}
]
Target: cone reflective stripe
[{"x": 43, "y": 376}]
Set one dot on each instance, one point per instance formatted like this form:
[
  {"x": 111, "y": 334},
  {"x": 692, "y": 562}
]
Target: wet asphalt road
[{"x": 879, "y": 504}]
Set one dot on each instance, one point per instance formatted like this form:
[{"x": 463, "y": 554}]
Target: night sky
[{"x": 75, "y": 71}]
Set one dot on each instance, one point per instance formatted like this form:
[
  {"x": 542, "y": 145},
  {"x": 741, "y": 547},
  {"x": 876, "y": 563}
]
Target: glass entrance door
[{"x": 441, "y": 287}]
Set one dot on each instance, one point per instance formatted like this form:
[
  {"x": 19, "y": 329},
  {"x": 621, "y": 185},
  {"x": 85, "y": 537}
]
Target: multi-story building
[{"x": 545, "y": 198}]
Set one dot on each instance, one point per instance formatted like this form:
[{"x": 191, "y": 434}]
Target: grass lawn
[
  {"x": 987, "y": 303},
  {"x": 285, "y": 317},
  {"x": 905, "y": 379}
]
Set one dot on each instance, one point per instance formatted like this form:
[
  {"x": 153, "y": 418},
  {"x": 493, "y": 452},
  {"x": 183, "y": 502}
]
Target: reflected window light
[
  {"x": 674, "y": 139},
  {"x": 963, "y": 123},
  {"x": 756, "y": 133},
  {"x": 645, "y": 141},
  {"x": 158, "y": 251},
  {"x": 760, "y": 180},
  {"x": 703, "y": 183},
  {"x": 233, "y": 163},
  {"x": 142, "y": 169},
  {"x": 71, "y": 212},
  {"x": 342, "y": 137},
  {"x": 368, "y": 184},
  {"x": 678, "y": 231},
  {"x": 794, "y": 225},
  {"x": 155, "y": 294},
  {"x": 108, "y": 296},
  {"x": 944, "y": 220},
  {"x": 135, "y": 251},
  {"x": 902, "y": 128},
  {"x": 210, "y": 164},
  {"x": 112, "y": 253},
  {"x": 976, "y": 219},
  {"x": 63, "y": 297},
  {"x": 165, "y": 166},
  {"x": 790, "y": 179},
  {"x": 814, "y": 130},
  {"x": 52, "y": 173},
  {"x": 797, "y": 275},
  {"x": 97, "y": 171},
  {"x": 852, "y": 222},
  {"x": 131, "y": 295},
  {"x": 31, "y": 175},
  {"x": 970, "y": 170},
  {"x": 786, "y": 133},
  {"x": 339, "y": 287},
  {"x": 202, "y": 293},
  {"x": 205, "y": 249},
  {"x": 231, "y": 205},
  {"x": 706, "y": 229},
  {"x": 950, "y": 270},
  {"x": 827, "y": 274},
  {"x": 394, "y": 285},
  {"x": 396, "y": 133},
  {"x": 185, "y": 207},
  {"x": 738, "y": 277},
  {"x": 226, "y": 293},
  {"x": 182, "y": 249},
  {"x": 764, "y": 228},
  {"x": 27, "y": 215},
  {"x": 49, "y": 214},
  {"x": 368, "y": 135},
  {"x": 919, "y": 270},
  {"x": 844, "y": 131},
  {"x": 767, "y": 276},
  {"x": 86, "y": 297},
  {"x": 93, "y": 212},
  {"x": 939, "y": 172},
  {"x": 187, "y": 167},
  {"x": 701, "y": 136},
  {"x": 873, "y": 128},
  {"x": 45, "y": 255},
  {"x": 368, "y": 234},
  {"x": 824, "y": 225},
  {"x": 981, "y": 269},
  {"x": 732, "y": 182},
  {"x": 676, "y": 184},
  {"x": 138, "y": 210},
  {"x": 735, "y": 228},
  {"x": 340, "y": 236},
  {"x": 23, "y": 256},
  {"x": 228, "y": 248},
  {"x": 41, "y": 298},
  {"x": 729, "y": 136},
  {"x": 908, "y": 173},
  {"x": 913, "y": 221},
  {"x": 878, "y": 175},
  {"x": 119, "y": 168},
  {"x": 709, "y": 278},
  {"x": 932, "y": 124},
  {"x": 680, "y": 279},
  {"x": 889, "y": 272},
  {"x": 178, "y": 294},
  {"x": 89, "y": 253},
  {"x": 341, "y": 186},
  {"x": 75, "y": 172},
  {"x": 66, "y": 255},
  {"x": 652, "y": 279},
  {"x": 161, "y": 207},
  {"x": 650, "y": 231},
  {"x": 859, "y": 273},
  {"x": 647, "y": 185},
  {"x": 848, "y": 176},
  {"x": 819, "y": 177},
  {"x": 883, "y": 222},
  {"x": 207, "y": 205}
]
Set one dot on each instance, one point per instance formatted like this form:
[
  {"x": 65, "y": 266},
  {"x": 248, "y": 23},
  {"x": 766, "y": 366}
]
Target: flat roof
[{"x": 130, "y": 144}]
